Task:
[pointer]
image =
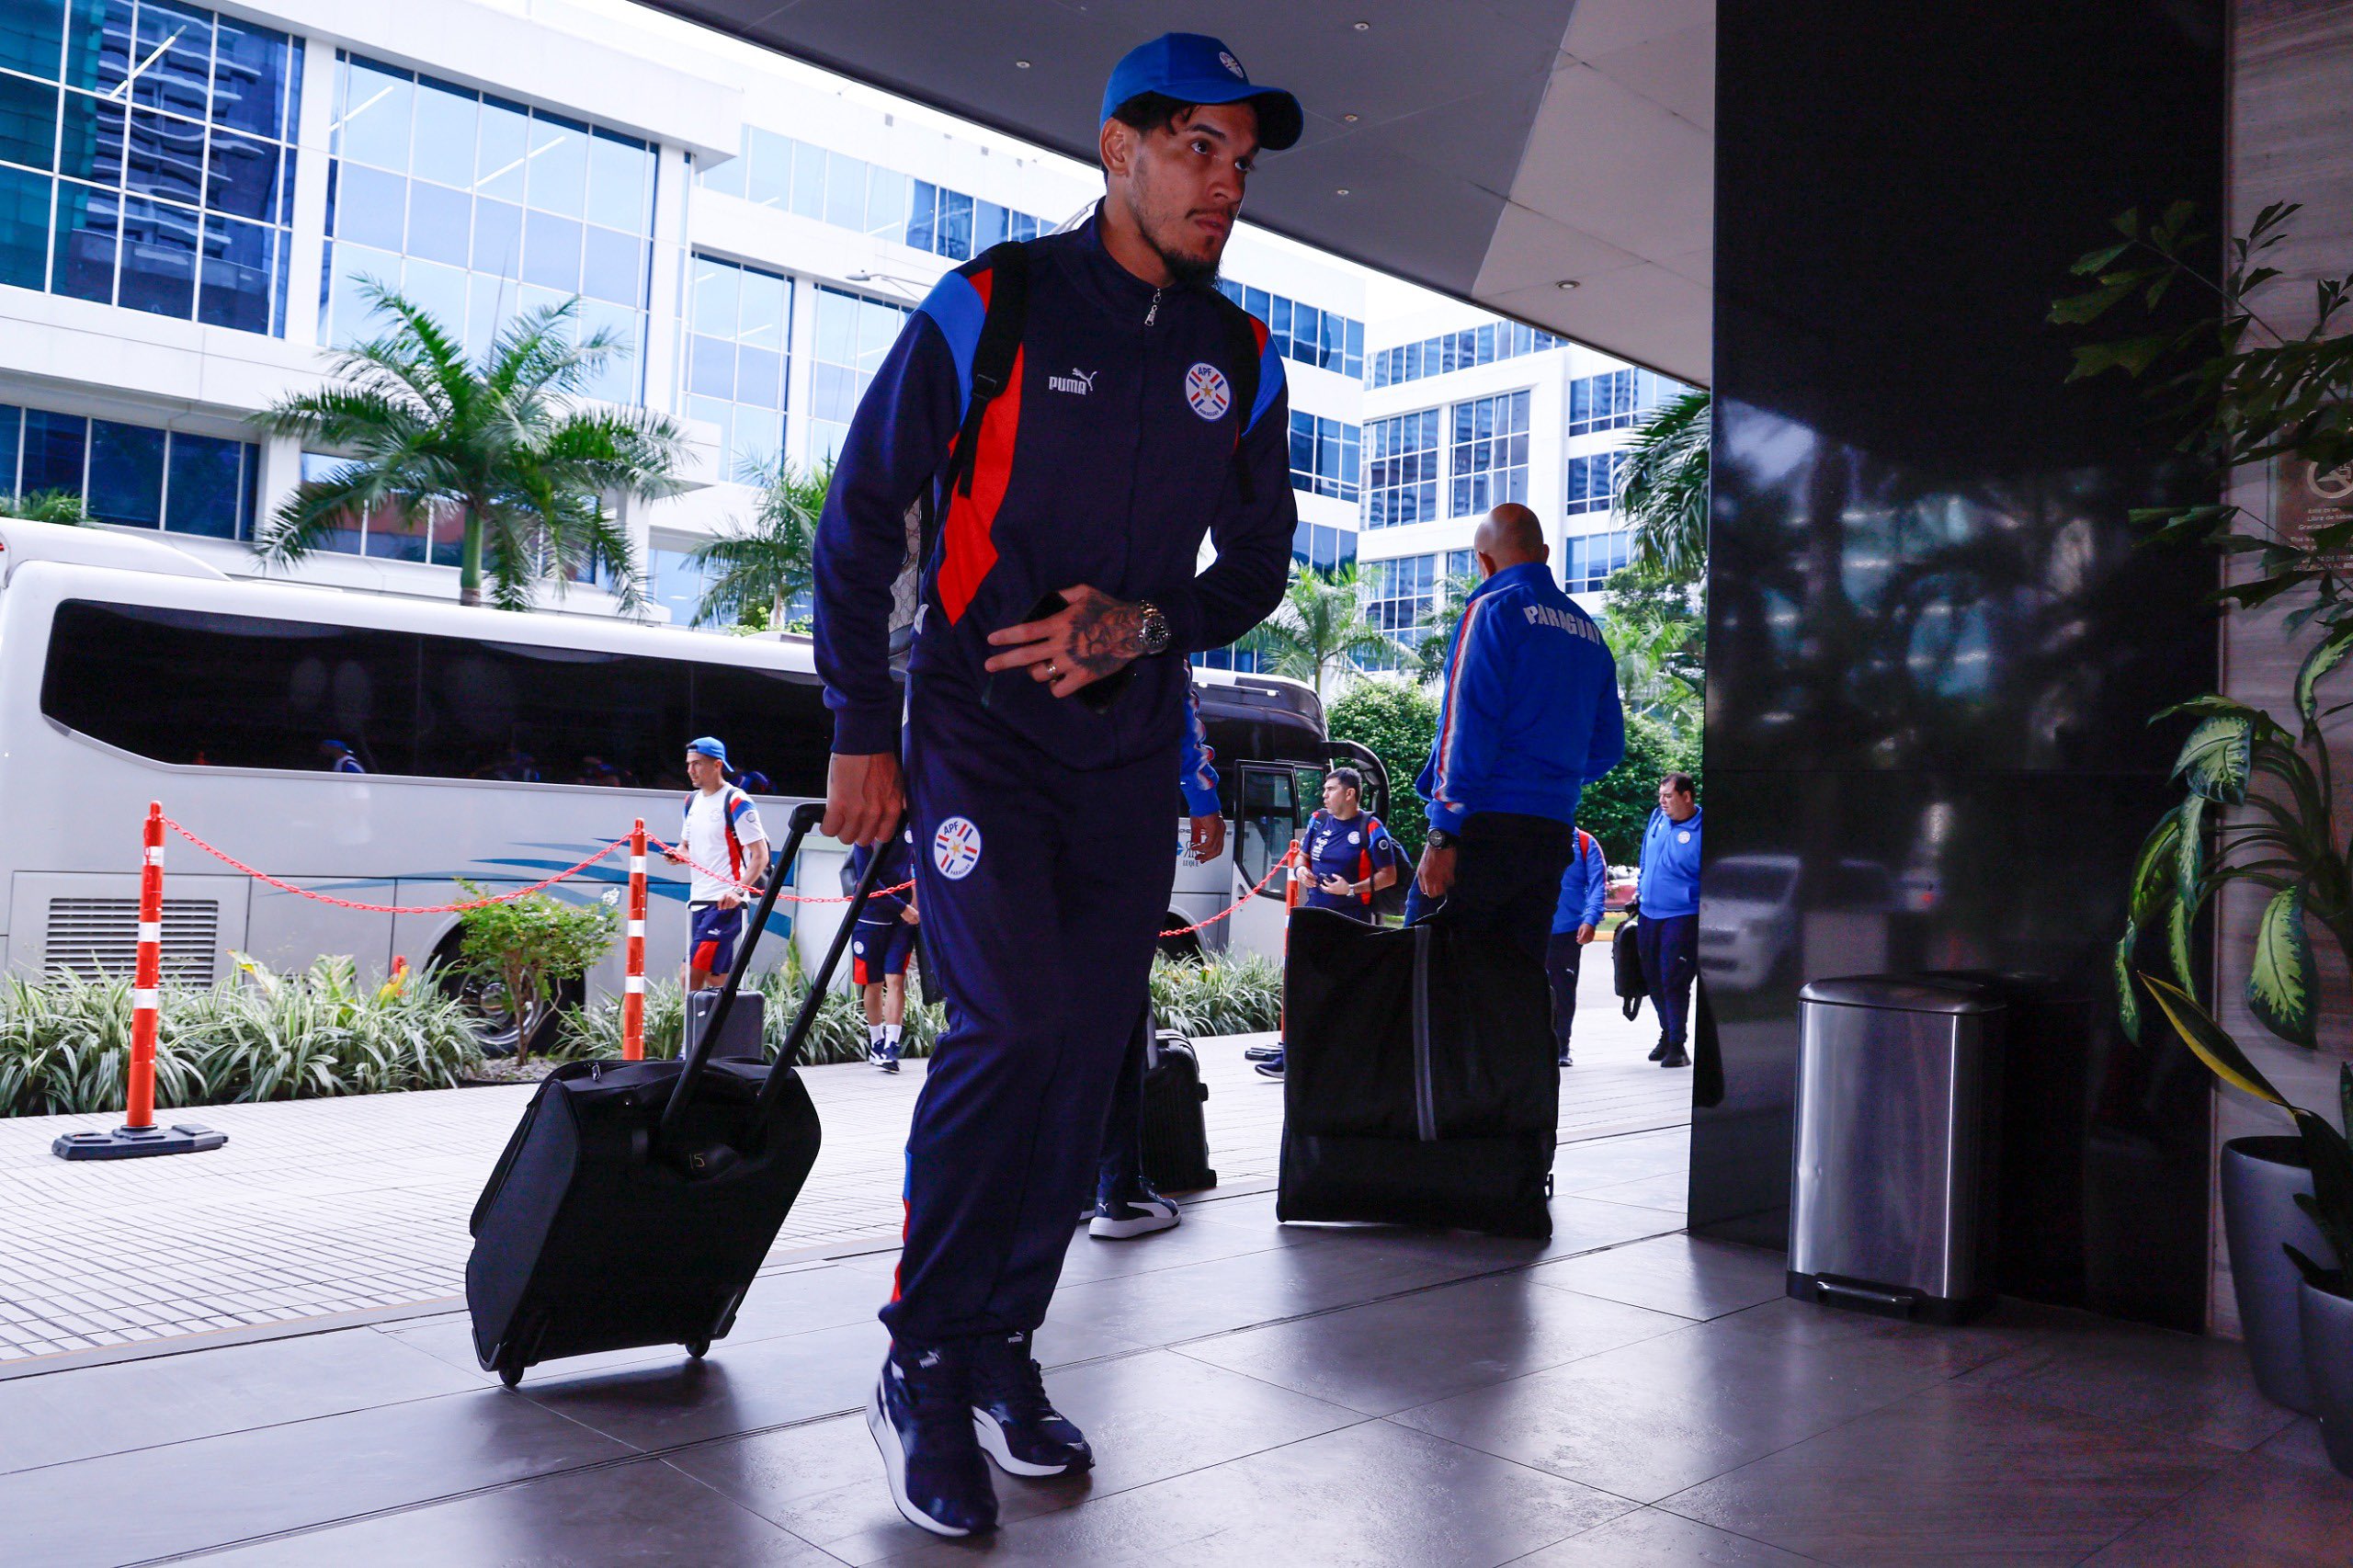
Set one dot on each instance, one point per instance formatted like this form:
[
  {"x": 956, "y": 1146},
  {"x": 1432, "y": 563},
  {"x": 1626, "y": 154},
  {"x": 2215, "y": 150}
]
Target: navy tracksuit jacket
[{"x": 1040, "y": 826}]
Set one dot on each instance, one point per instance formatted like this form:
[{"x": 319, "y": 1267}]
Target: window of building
[
  {"x": 434, "y": 538},
  {"x": 1324, "y": 456},
  {"x": 135, "y": 475},
  {"x": 169, "y": 190},
  {"x": 1490, "y": 452},
  {"x": 1301, "y": 332},
  {"x": 1322, "y": 546},
  {"x": 1240, "y": 656},
  {"x": 736, "y": 361},
  {"x": 1592, "y": 557},
  {"x": 850, "y": 193},
  {"x": 1401, "y": 593},
  {"x": 1615, "y": 399},
  {"x": 1401, "y": 470},
  {"x": 252, "y": 691},
  {"x": 478, "y": 209},
  {"x": 1591, "y": 481},
  {"x": 1462, "y": 350},
  {"x": 853, "y": 335}
]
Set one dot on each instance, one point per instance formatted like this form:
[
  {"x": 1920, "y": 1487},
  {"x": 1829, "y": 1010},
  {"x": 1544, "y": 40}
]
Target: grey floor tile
[
  {"x": 2259, "y": 1512},
  {"x": 126, "y": 1507},
  {"x": 1165, "y": 1306},
  {"x": 1148, "y": 1418},
  {"x": 2299, "y": 1443},
  {"x": 169, "y": 1399},
  {"x": 1424, "y": 1347},
  {"x": 1684, "y": 1274},
  {"x": 2181, "y": 1383},
  {"x": 1669, "y": 1190},
  {"x": 1953, "y": 1475},
  {"x": 1192, "y": 1241},
  {"x": 1951, "y": 1351},
  {"x": 1652, "y": 1537},
  {"x": 639, "y": 1515},
  {"x": 1652, "y": 1417},
  {"x": 740, "y": 1388},
  {"x": 1372, "y": 1494}
]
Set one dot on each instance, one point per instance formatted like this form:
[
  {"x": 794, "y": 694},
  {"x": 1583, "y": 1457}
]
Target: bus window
[
  {"x": 1269, "y": 820},
  {"x": 232, "y": 690},
  {"x": 583, "y": 717},
  {"x": 774, "y": 724}
]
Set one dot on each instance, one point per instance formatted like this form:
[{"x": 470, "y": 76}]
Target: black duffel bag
[{"x": 1421, "y": 1083}]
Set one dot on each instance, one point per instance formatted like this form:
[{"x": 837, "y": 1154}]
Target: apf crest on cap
[{"x": 1226, "y": 59}]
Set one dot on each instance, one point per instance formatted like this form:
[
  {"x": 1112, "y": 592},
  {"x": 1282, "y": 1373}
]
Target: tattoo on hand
[{"x": 1105, "y": 633}]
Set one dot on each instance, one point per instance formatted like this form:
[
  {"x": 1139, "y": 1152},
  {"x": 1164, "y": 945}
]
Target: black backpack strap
[
  {"x": 992, "y": 356},
  {"x": 1241, "y": 340}
]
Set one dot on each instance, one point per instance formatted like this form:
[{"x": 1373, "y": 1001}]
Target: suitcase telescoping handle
[
  {"x": 805, "y": 819},
  {"x": 814, "y": 997}
]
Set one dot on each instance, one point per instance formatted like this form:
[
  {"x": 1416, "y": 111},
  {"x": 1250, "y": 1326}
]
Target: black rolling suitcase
[
  {"x": 1420, "y": 1082},
  {"x": 637, "y": 1199},
  {"x": 1175, "y": 1135}
]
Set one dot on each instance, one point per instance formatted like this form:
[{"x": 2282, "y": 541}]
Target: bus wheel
[
  {"x": 1186, "y": 948},
  {"x": 484, "y": 1001}
]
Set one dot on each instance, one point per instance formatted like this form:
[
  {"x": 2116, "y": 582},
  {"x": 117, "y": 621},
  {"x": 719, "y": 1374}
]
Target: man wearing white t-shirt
[{"x": 722, "y": 829}]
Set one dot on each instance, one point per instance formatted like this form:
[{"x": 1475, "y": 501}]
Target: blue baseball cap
[
  {"x": 1194, "y": 68},
  {"x": 709, "y": 746}
]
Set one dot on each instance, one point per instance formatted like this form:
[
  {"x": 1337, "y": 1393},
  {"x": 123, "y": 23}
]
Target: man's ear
[{"x": 1116, "y": 147}]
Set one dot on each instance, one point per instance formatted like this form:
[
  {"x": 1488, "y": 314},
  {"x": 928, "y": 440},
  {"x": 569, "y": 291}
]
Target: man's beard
[{"x": 1184, "y": 271}]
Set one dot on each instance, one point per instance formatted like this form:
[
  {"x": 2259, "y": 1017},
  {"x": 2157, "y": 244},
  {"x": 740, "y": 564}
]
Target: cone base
[{"x": 138, "y": 1143}]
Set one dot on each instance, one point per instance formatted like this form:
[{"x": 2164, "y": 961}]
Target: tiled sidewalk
[{"x": 320, "y": 1207}]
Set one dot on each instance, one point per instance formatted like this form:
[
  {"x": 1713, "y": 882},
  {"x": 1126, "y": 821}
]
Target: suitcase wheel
[
  {"x": 698, "y": 1348},
  {"x": 510, "y": 1372}
]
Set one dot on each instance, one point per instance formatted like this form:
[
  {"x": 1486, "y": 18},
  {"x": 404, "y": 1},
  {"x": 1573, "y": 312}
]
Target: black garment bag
[
  {"x": 637, "y": 1199},
  {"x": 1421, "y": 1083}
]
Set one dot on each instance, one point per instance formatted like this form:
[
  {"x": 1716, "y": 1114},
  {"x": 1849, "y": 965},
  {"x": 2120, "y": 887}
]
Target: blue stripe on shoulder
[
  {"x": 955, "y": 308},
  {"x": 1270, "y": 383}
]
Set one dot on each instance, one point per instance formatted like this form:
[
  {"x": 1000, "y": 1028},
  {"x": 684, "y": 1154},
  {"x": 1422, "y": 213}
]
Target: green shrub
[
  {"x": 525, "y": 950},
  {"x": 65, "y": 1043},
  {"x": 1241, "y": 996},
  {"x": 1398, "y": 721}
]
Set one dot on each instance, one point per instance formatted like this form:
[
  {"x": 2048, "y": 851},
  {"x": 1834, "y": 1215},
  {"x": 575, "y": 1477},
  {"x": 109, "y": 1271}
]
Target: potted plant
[{"x": 2249, "y": 392}]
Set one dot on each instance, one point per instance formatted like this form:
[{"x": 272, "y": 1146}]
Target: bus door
[{"x": 1271, "y": 815}]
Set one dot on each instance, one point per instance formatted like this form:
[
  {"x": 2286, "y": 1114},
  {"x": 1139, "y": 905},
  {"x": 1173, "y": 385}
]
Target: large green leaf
[
  {"x": 2216, "y": 758},
  {"x": 2324, "y": 658},
  {"x": 2209, "y": 1042},
  {"x": 2177, "y": 946},
  {"x": 2331, "y": 1202},
  {"x": 2189, "y": 852},
  {"x": 2283, "y": 983},
  {"x": 2128, "y": 1000},
  {"x": 2153, "y": 871}
]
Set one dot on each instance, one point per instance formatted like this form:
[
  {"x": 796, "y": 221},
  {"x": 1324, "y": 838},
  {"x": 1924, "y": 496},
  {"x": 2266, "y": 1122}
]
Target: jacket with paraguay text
[
  {"x": 1530, "y": 713},
  {"x": 1107, "y": 458}
]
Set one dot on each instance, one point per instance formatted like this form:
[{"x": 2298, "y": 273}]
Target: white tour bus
[{"x": 493, "y": 747}]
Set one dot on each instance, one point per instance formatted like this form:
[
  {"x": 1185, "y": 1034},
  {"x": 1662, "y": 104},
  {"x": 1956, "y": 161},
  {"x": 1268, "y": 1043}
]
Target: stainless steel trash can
[{"x": 1892, "y": 1199}]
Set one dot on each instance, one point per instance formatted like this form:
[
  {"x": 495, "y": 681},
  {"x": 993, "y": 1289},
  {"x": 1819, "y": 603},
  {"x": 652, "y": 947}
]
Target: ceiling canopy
[{"x": 1492, "y": 150}]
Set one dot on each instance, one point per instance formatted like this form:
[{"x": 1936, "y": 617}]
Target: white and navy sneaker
[
  {"x": 1272, "y": 1067},
  {"x": 883, "y": 1053},
  {"x": 1137, "y": 1213},
  {"x": 1014, "y": 1422},
  {"x": 1261, "y": 1053},
  {"x": 918, "y": 1417}
]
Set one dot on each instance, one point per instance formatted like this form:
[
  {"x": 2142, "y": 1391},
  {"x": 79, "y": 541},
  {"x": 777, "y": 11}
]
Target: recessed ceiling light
[
  {"x": 1348, "y": 118},
  {"x": 1362, "y": 26},
  {"x": 1566, "y": 283},
  {"x": 1021, "y": 65},
  {"x": 1342, "y": 191}
]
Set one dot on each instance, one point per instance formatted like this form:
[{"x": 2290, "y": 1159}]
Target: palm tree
[
  {"x": 1445, "y": 615},
  {"x": 1319, "y": 625},
  {"x": 771, "y": 560},
  {"x": 506, "y": 445},
  {"x": 1663, "y": 490},
  {"x": 62, "y": 507}
]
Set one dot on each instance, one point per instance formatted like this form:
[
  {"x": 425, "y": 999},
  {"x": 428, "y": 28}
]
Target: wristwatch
[
  {"x": 1152, "y": 635},
  {"x": 1438, "y": 838}
]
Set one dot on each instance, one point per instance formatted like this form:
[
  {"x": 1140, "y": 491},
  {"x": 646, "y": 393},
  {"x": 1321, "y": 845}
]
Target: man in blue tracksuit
[
  {"x": 1530, "y": 717},
  {"x": 1044, "y": 700},
  {"x": 1668, "y": 933},
  {"x": 1585, "y": 889},
  {"x": 881, "y": 945}
]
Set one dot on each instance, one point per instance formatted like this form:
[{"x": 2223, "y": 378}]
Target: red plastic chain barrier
[
  {"x": 228, "y": 860},
  {"x": 681, "y": 857},
  {"x": 1203, "y": 924}
]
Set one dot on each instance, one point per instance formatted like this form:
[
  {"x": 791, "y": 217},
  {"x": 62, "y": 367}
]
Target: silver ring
[{"x": 1049, "y": 667}]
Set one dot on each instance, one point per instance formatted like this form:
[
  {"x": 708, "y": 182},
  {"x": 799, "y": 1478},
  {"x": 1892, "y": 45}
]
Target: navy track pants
[
  {"x": 1670, "y": 947},
  {"x": 1043, "y": 890}
]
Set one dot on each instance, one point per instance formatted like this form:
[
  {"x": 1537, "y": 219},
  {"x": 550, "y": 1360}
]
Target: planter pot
[
  {"x": 2328, "y": 1357},
  {"x": 2260, "y": 1179}
]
